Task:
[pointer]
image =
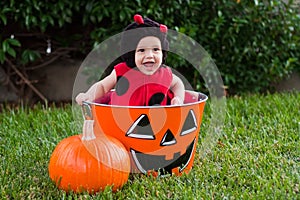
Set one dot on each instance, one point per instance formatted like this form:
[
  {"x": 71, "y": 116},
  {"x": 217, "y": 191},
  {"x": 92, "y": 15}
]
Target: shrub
[{"x": 253, "y": 43}]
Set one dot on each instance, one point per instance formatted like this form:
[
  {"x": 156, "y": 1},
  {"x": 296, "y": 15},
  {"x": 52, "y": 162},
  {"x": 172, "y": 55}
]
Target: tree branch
[{"x": 26, "y": 81}]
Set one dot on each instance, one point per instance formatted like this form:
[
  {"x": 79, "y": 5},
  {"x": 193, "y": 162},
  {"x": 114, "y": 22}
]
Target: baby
[{"x": 142, "y": 79}]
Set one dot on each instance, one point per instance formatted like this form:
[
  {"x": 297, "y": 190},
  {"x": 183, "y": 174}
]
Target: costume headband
[{"x": 139, "y": 20}]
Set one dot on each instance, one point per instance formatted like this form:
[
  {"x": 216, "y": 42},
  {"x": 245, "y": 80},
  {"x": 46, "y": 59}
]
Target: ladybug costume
[
  {"x": 134, "y": 88},
  {"x": 137, "y": 89}
]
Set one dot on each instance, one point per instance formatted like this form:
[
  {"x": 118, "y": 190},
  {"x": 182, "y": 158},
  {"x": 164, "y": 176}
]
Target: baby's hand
[
  {"x": 176, "y": 101},
  {"x": 81, "y": 97}
]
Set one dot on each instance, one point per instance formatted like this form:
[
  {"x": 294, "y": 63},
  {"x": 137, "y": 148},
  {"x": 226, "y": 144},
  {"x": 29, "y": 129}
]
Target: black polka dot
[
  {"x": 156, "y": 99},
  {"x": 169, "y": 97},
  {"x": 122, "y": 85}
]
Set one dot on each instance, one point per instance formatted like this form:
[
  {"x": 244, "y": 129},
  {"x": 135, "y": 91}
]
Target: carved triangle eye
[
  {"x": 168, "y": 139},
  {"x": 190, "y": 124},
  {"x": 141, "y": 129}
]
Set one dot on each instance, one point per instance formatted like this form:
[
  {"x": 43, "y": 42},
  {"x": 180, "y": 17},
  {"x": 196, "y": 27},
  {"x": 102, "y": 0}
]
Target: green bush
[{"x": 253, "y": 43}]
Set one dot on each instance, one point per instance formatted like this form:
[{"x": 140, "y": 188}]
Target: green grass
[{"x": 257, "y": 156}]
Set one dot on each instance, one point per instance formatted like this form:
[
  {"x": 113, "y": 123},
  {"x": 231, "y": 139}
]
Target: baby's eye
[
  {"x": 156, "y": 49},
  {"x": 140, "y": 50}
]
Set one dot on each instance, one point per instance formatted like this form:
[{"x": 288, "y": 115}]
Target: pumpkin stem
[{"x": 88, "y": 130}]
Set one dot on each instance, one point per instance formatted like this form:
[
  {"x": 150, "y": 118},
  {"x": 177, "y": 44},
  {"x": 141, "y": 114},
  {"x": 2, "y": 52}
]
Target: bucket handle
[{"x": 86, "y": 111}]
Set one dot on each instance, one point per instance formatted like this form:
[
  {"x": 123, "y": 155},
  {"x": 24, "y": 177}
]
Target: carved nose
[{"x": 168, "y": 139}]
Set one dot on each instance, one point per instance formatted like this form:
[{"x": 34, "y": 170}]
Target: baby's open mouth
[{"x": 148, "y": 64}]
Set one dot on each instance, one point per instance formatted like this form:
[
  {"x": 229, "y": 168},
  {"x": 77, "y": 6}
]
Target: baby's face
[{"x": 148, "y": 55}]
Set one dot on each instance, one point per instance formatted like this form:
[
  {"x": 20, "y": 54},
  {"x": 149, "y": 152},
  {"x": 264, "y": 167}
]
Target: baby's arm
[
  {"x": 98, "y": 89},
  {"x": 177, "y": 88}
]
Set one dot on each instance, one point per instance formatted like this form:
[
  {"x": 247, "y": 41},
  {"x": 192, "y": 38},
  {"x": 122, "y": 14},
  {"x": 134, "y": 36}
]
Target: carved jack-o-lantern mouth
[{"x": 146, "y": 162}]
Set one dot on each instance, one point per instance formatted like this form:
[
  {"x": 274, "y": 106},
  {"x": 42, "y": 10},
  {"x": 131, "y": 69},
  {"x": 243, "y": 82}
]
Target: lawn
[{"x": 256, "y": 157}]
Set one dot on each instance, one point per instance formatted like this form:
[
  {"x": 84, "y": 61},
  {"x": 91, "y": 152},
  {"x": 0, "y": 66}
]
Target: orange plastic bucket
[{"x": 159, "y": 139}]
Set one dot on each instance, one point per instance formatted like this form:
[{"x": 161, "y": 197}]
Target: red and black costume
[
  {"x": 137, "y": 89},
  {"x": 134, "y": 88}
]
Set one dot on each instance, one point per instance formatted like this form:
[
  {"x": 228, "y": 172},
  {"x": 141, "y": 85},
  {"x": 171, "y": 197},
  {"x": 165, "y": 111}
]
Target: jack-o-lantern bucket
[{"x": 159, "y": 139}]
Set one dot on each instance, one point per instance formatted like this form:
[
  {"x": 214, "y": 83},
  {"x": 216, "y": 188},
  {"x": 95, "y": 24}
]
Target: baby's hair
[{"x": 131, "y": 37}]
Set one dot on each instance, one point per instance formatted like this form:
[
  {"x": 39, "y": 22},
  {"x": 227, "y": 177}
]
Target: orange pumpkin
[
  {"x": 159, "y": 139},
  {"x": 88, "y": 163}
]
